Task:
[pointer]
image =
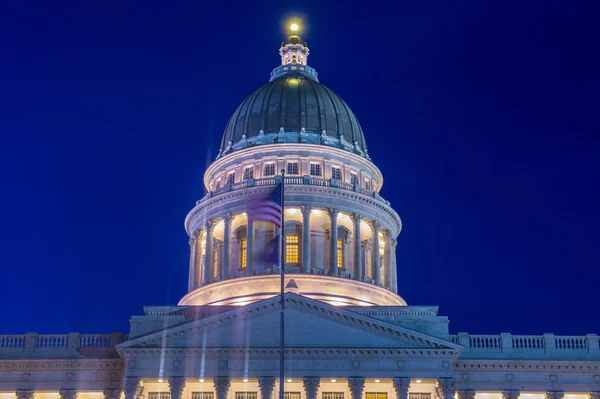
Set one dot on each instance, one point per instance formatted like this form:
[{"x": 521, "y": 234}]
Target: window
[
  {"x": 315, "y": 169},
  {"x": 248, "y": 173},
  {"x": 333, "y": 395},
  {"x": 270, "y": 169},
  {"x": 374, "y": 395},
  {"x": 243, "y": 246},
  {"x": 203, "y": 395},
  {"x": 291, "y": 249},
  {"x": 218, "y": 184},
  {"x": 159, "y": 395},
  {"x": 291, "y": 395},
  {"x": 368, "y": 185},
  {"x": 336, "y": 173},
  {"x": 419, "y": 395},
  {"x": 215, "y": 268},
  {"x": 293, "y": 59},
  {"x": 231, "y": 178},
  {"x": 353, "y": 178},
  {"x": 245, "y": 395},
  {"x": 292, "y": 168},
  {"x": 340, "y": 253}
]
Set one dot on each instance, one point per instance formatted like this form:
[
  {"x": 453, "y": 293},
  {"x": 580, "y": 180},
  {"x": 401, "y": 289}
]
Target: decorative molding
[
  {"x": 306, "y": 210},
  {"x": 510, "y": 394},
  {"x": 111, "y": 393},
  {"x": 466, "y": 393},
  {"x": 401, "y": 385},
  {"x": 554, "y": 395},
  {"x": 356, "y": 386},
  {"x": 311, "y": 386},
  {"x": 25, "y": 393},
  {"x": 266, "y": 385},
  {"x": 176, "y": 386},
  {"x": 68, "y": 394},
  {"x": 221, "y": 385}
]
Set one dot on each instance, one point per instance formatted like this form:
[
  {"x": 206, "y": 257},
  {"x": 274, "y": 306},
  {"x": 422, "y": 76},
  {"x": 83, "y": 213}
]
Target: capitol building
[{"x": 348, "y": 332}]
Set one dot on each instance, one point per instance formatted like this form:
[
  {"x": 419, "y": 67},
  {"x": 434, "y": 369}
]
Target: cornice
[
  {"x": 58, "y": 365},
  {"x": 528, "y": 366}
]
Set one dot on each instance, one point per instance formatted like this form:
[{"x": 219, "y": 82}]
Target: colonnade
[{"x": 202, "y": 251}]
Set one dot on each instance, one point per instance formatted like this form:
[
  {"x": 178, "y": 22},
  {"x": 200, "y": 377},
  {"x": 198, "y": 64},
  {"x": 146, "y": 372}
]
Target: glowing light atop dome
[{"x": 294, "y": 27}]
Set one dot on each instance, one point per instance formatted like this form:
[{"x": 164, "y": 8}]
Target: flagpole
[{"x": 282, "y": 303}]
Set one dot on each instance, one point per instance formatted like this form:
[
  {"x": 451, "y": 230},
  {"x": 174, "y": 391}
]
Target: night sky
[{"x": 482, "y": 116}]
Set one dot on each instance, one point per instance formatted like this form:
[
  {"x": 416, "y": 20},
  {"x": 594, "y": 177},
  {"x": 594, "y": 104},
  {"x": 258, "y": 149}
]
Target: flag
[
  {"x": 271, "y": 254},
  {"x": 267, "y": 208}
]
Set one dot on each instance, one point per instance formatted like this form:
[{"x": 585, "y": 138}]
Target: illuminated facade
[{"x": 349, "y": 335}]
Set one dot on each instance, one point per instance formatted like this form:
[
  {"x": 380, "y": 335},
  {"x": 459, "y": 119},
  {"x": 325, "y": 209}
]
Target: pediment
[{"x": 308, "y": 324}]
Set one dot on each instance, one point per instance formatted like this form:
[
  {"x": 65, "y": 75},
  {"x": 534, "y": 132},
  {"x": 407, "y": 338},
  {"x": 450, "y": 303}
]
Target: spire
[{"x": 294, "y": 50}]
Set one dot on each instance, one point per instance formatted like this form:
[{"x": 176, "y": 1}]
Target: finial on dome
[{"x": 294, "y": 50}]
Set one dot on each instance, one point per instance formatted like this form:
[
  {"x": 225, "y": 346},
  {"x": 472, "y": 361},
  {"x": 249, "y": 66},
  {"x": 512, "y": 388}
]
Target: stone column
[
  {"x": 358, "y": 270},
  {"x": 356, "y": 386},
  {"x": 375, "y": 252},
  {"x": 446, "y": 388},
  {"x": 193, "y": 266},
  {"x": 594, "y": 395},
  {"x": 311, "y": 386},
  {"x": 333, "y": 237},
  {"x": 208, "y": 247},
  {"x": 266, "y": 385},
  {"x": 306, "y": 238},
  {"x": 387, "y": 234},
  {"x": 554, "y": 395},
  {"x": 68, "y": 394},
  {"x": 26, "y": 394},
  {"x": 512, "y": 394},
  {"x": 198, "y": 259},
  {"x": 249, "y": 246},
  {"x": 394, "y": 267},
  {"x": 226, "y": 269},
  {"x": 131, "y": 386},
  {"x": 466, "y": 394},
  {"x": 176, "y": 385},
  {"x": 221, "y": 385},
  {"x": 111, "y": 393},
  {"x": 401, "y": 385}
]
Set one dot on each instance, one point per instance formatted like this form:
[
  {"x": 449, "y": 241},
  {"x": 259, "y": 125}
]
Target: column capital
[
  {"x": 68, "y": 393},
  {"x": 222, "y": 384},
  {"x": 131, "y": 385},
  {"x": 111, "y": 393},
  {"x": 554, "y": 395},
  {"x": 176, "y": 385},
  {"x": 445, "y": 388},
  {"x": 356, "y": 386},
  {"x": 332, "y": 213},
  {"x": 266, "y": 385},
  {"x": 25, "y": 393},
  {"x": 311, "y": 385},
  {"x": 401, "y": 385},
  {"x": 466, "y": 394},
  {"x": 209, "y": 225},
  {"x": 356, "y": 218},
  {"x": 394, "y": 243},
  {"x": 228, "y": 218},
  {"x": 374, "y": 225},
  {"x": 512, "y": 394},
  {"x": 305, "y": 210}
]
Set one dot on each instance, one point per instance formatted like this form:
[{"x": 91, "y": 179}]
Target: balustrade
[{"x": 63, "y": 344}]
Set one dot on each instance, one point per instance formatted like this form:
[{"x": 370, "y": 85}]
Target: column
[
  {"x": 225, "y": 270},
  {"x": 199, "y": 277},
  {"x": 176, "y": 385},
  {"x": 512, "y": 394},
  {"x": 266, "y": 385},
  {"x": 401, "y": 385},
  {"x": 394, "y": 267},
  {"x": 333, "y": 237},
  {"x": 554, "y": 395},
  {"x": 193, "y": 267},
  {"x": 387, "y": 234},
  {"x": 594, "y": 395},
  {"x": 306, "y": 238},
  {"x": 249, "y": 246},
  {"x": 221, "y": 385},
  {"x": 446, "y": 388},
  {"x": 111, "y": 393},
  {"x": 356, "y": 386},
  {"x": 376, "y": 262},
  {"x": 29, "y": 394},
  {"x": 466, "y": 394},
  {"x": 68, "y": 394},
  {"x": 208, "y": 259},
  {"x": 132, "y": 387},
  {"x": 358, "y": 270},
  {"x": 311, "y": 386}
]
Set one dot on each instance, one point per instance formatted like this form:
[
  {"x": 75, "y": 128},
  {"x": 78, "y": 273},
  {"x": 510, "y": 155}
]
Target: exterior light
[
  {"x": 418, "y": 381},
  {"x": 333, "y": 380},
  {"x": 245, "y": 380},
  {"x": 201, "y": 379},
  {"x": 160, "y": 380},
  {"x": 377, "y": 381},
  {"x": 294, "y": 27},
  {"x": 289, "y": 380}
]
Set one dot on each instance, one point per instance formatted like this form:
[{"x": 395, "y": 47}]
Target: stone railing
[
  {"x": 295, "y": 180},
  {"x": 541, "y": 344},
  {"x": 61, "y": 345}
]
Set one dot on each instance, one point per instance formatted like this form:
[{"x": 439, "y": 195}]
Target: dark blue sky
[{"x": 482, "y": 115}]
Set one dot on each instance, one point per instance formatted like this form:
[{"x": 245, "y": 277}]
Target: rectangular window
[
  {"x": 315, "y": 169},
  {"x": 270, "y": 169},
  {"x": 203, "y": 395},
  {"x": 215, "y": 266},
  {"x": 340, "y": 253},
  {"x": 243, "y": 245},
  {"x": 245, "y": 395},
  {"x": 353, "y": 178},
  {"x": 417, "y": 395},
  {"x": 218, "y": 184},
  {"x": 336, "y": 173},
  {"x": 333, "y": 395},
  {"x": 292, "y": 168},
  {"x": 159, "y": 395},
  {"x": 231, "y": 178},
  {"x": 368, "y": 185},
  {"x": 376, "y": 395},
  {"x": 248, "y": 173},
  {"x": 291, "y": 249},
  {"x": 291, "y": 395}
]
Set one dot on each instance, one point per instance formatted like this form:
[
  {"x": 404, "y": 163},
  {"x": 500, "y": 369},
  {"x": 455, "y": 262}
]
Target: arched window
[{"x": 294, "y": 59}]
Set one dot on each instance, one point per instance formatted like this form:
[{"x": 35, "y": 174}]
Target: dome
[{"x": 293, "y": 108}]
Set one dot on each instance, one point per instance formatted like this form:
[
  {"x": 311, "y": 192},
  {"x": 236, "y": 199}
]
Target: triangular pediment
[{"x": 308, "y": 324}]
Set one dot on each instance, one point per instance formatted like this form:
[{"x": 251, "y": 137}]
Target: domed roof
[{"x": 293, "y": 108}]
